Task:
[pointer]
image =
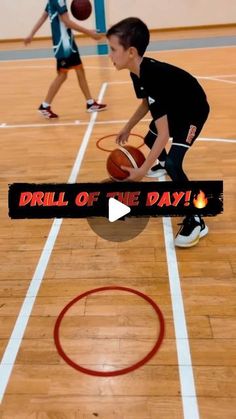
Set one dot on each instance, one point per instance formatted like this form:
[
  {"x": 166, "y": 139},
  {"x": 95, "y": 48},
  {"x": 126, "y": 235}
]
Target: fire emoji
[{"x": 200, "y": 201}]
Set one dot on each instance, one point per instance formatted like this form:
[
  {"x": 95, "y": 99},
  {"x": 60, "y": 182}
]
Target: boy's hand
[
  {"x": 122, "y": 137},
  {"x": 28, "y": 40},
  {"x": 134, "y": 174},
  {"x": 95, "y": 35}
]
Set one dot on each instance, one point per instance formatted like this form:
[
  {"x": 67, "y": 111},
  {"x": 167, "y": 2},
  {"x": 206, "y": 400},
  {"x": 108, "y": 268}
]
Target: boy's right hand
[
  {"x": 122, "y": 137},
  {"x": 28, "y": 40}
]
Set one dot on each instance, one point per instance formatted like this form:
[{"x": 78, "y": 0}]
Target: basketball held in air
[{"x": 81, "y": 9}]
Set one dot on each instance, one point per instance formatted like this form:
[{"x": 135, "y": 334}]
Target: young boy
[
  {"x": 66, "y": 54},
  {"x": 178, "y": 106}
]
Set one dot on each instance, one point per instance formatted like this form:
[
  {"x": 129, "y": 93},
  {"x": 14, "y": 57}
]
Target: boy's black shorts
[
  {"x": 182, "y": 132},
  {"x": 71, "y": 62}
]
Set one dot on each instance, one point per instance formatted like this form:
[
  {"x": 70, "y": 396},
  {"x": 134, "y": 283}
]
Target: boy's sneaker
[
  {"x": 156, "y": 171},
  {"x": 191, "y": 230},
  {"x": 96, "y": 107},
  {"x": 47, "y": 112}
]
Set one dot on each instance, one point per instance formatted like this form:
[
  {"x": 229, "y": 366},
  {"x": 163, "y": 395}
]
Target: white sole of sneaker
[
  {"x": 203, "y": 233},
  {"x": 97, "y": 110},
  {"x": 187, "y": 245},
  {"x": 45, "y": 116}
]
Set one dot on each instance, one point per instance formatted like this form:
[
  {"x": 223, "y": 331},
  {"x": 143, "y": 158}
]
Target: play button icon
[
  {"x": 116, "y": 210},
  {"x": 123, "y": 229}
]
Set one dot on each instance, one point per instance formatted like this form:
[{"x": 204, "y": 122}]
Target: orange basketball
[
  {"x": 123, "y": 156},
  {"x": 81, "y": 9}
]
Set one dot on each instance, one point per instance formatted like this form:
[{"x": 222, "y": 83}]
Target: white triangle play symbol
[{"x": 116, "y": 210}]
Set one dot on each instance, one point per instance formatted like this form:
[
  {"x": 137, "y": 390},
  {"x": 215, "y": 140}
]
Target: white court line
[
  {"x": 4, "y": 125},
  {"x": 223, "y": 75},
  {"x": 212, "y": 78},
  {"x": 188, "y": 392},
  {"x": 220, "y": 79},
  {"x": 25, "y": 67},
  {"x": 10, "y": 354},
  {"x": 218, "y": 140},
  {"x": 187, "y": 384},
  {"x": 52, "y": 58},
  {"x": 191, "y": 49}
]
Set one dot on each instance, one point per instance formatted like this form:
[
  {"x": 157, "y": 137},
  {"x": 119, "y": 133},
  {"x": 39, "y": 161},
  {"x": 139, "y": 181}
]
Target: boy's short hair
[{"x": 132, "y": 32}]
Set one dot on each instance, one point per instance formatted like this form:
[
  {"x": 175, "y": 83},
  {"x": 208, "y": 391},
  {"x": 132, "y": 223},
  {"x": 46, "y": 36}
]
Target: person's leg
[
  {"x": 74, "y": 62},
  {"x": 92, "y": 105},
  {"x": 83, "y": 82},
  {"x": 158, "y": 169},
  {"x": 193, "y": 227},
  {"x": 55, "y": 86},
  {"x": 174, "y": 163},
  {"x": 45, "y": 107}
]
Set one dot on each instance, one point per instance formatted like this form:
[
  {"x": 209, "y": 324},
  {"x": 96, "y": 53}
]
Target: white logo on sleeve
[{"x": 151, "y": 100}]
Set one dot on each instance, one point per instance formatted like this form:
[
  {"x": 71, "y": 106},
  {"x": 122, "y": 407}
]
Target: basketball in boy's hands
[
  {"x": 123, "y": 156},
  {"x": 81, "y": 9}
]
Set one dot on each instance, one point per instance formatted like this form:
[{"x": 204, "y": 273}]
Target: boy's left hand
[{"x": 135, "y": 175}]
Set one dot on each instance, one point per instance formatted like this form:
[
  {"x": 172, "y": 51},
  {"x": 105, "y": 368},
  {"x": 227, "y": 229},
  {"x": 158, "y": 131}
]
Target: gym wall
[{"x": 18, "y": 17}]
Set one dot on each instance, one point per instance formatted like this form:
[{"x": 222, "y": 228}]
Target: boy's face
[{"x": 120, "y": 57}]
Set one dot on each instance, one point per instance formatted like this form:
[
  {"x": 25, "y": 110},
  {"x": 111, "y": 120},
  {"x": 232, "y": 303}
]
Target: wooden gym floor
[{"x": 193, "y": 375}]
